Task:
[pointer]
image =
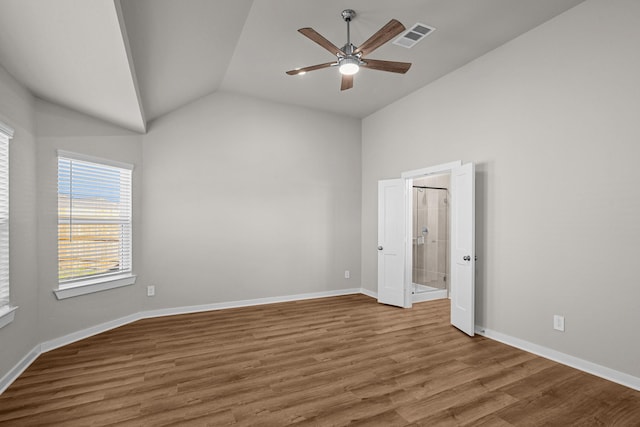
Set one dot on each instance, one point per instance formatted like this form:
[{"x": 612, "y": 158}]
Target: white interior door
[
  {"x": 463, "y": 248},
  {"x": 391, "y": 239}
]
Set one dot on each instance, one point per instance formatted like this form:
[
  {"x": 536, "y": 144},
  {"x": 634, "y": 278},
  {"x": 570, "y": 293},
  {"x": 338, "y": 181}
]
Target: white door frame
[{"x": 408, "y": 178}]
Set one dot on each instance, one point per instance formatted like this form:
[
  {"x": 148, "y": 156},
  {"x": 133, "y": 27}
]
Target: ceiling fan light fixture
[{"x": 349, "y": 66}]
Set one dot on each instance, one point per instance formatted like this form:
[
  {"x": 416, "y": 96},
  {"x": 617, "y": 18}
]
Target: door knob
[
  {"x": 466, "y": 258},
  {"x": 380, "y": 248}
]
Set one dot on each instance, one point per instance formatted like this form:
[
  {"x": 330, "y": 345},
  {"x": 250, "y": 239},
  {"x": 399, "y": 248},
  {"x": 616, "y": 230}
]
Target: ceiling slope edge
[{"x": 134, "y": 78}]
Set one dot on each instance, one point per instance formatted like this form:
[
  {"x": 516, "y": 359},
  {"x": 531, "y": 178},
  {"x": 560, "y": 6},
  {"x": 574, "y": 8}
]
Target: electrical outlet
[
  {"x": 347, "y": 274},
  {"x": 558, "y": 322},
  {"x": 151, "y": 290}
]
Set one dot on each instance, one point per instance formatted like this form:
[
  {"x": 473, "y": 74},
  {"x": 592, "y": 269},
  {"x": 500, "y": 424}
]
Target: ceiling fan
[{"x": 350, "y": 58}]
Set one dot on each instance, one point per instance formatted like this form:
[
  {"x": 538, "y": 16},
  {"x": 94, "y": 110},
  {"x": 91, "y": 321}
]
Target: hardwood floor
[{"x": 331, "y": 361}]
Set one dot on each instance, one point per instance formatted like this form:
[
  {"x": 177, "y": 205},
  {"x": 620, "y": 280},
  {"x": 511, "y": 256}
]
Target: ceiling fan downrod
[{"x": 348, "y": 15}]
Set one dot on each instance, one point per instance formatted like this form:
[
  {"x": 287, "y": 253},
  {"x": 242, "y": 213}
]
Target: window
[
  {"x": 94, "y": 223},
  {"x": 6, "y": 311}
]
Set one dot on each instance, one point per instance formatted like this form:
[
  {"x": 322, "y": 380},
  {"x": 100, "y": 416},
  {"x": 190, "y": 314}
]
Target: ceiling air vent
[{"x": 413, "y": 35}]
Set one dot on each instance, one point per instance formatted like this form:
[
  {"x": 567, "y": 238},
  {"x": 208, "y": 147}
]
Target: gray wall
[
  {"x": 249, "y": 199},
  {"x": 17, "y": 111},
  {"x": 551, "y": 119}
]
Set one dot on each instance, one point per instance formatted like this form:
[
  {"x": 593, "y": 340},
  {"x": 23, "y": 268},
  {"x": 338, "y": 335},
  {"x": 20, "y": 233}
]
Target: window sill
[
  {"x": 94, "y": 285},
  {"x": 7, "y": 315}
]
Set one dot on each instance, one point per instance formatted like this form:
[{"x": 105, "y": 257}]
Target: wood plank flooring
[{"x": 324, "y": 362}]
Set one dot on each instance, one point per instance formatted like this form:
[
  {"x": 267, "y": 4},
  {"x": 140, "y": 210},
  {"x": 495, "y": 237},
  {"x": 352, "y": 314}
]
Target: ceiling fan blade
[
  {"x": 384, "y": 34},
  {"x": 318, "y": 38},
  {"x": 310, "y": 68},
  {"x": 391, "y": 66},
  {"x": 347, "y": 82}
]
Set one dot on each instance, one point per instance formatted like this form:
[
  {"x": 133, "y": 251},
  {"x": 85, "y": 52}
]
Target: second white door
[{"x": 391, "y": 242}]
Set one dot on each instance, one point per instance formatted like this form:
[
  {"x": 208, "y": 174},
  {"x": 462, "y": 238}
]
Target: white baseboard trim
[
  {"x": 49, "y": 345},
  {"x": 563, "y": 358},
  {"x": 86, "y": 333},
  {"x": 19, "y": 368},
  {"x": 103, "y": 327},
  {"x": 244, "y": 303},
  {"x": 369, "y": 293}
]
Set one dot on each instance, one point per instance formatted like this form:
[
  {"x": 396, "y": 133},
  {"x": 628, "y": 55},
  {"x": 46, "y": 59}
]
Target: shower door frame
[{"x": 415, "y": 214}]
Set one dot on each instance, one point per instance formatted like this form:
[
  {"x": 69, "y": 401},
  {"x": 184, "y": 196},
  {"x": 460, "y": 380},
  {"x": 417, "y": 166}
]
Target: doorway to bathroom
[
  {"x": 430, "y": 238},
  {"x": 396, "y": 233}
]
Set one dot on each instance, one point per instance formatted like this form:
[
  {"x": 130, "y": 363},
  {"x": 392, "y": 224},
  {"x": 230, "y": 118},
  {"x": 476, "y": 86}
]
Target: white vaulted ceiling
[
  {"x": 181, "y": 48},
  {"x": 130, "y": 61},
  {"x": 73, "y": 53}
]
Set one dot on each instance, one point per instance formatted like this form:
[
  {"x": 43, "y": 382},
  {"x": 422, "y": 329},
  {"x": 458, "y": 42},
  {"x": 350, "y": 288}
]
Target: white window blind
[
  {"x": 94, "y": 219},
  {"x": 5, "y": 134}
]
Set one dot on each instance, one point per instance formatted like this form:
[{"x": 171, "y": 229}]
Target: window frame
[
  {"x": 7, "y": 310},
  {"x": 95, "y": 283}
]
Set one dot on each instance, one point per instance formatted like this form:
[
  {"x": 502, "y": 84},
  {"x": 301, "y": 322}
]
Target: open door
[
  {"x": 463, "y": 248},
  {"x": 391, "y": 242}
]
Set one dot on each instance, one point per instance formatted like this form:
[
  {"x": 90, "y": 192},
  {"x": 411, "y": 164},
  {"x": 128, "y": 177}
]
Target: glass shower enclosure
[{"x": 430, "y": 239}]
